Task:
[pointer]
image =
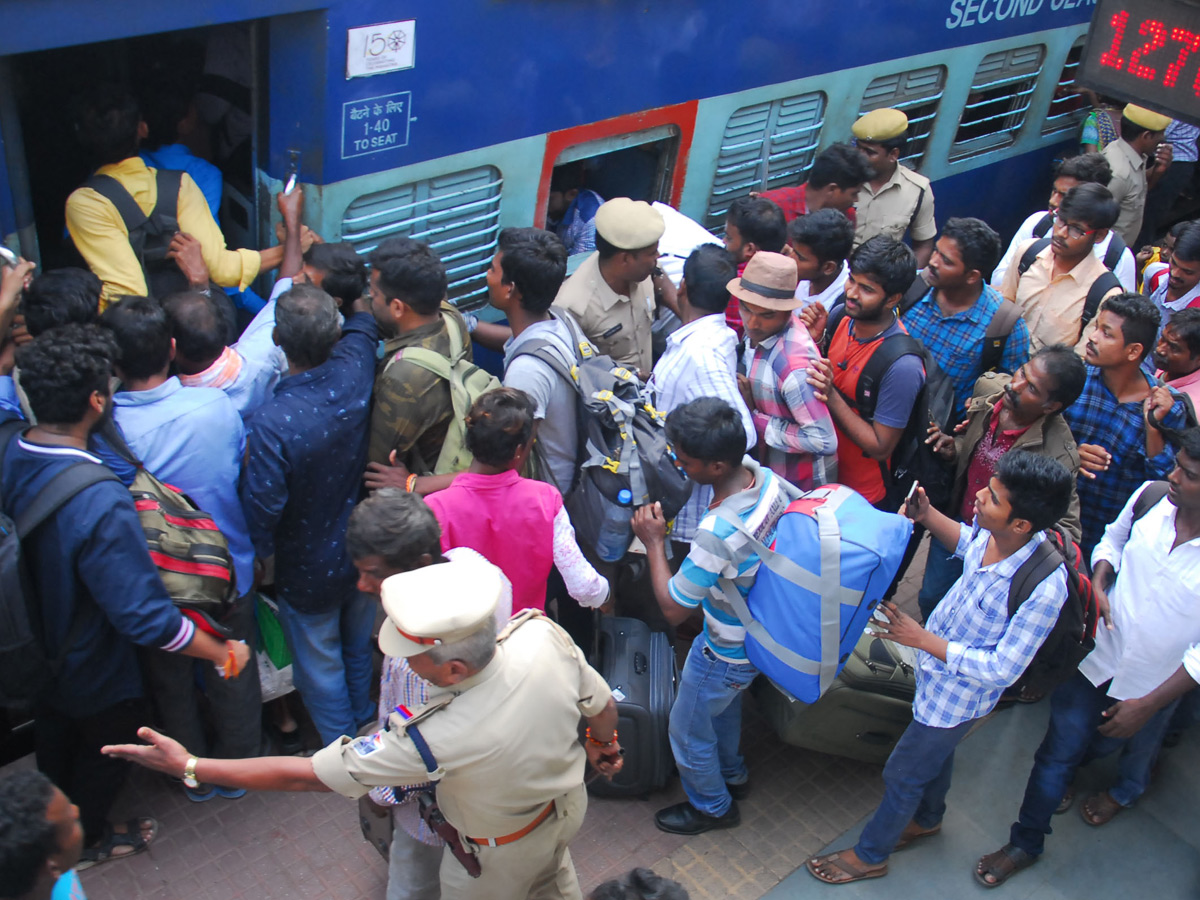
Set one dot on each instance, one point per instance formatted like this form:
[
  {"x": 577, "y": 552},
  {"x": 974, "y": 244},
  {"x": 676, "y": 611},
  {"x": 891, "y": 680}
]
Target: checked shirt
[{"x": 988, "y": 651}]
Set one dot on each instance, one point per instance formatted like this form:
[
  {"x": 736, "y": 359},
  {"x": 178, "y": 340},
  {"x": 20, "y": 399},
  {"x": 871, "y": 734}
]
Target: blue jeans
[
  {"x": 331, "y": 663},
  {"x": 942, "y": 569},
  {"x": 1075, "y": 714},
  {"x": 706, "y": 727},
  {"x": 916, "y": 779}
]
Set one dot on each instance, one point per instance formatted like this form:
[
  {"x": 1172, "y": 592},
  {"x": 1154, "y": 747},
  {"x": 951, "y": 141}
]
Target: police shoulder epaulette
[{"x": 412, "y": 717}]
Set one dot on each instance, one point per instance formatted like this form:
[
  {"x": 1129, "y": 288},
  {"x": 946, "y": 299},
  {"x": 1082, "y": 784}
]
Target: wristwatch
[{"x": 189, "y": 773}]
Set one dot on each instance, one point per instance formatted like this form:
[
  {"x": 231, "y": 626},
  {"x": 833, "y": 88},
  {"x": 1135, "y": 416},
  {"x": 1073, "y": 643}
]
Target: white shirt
[
  {"x": 1155, "y": 606},
  {"x": 1125, "y": 271},
  {"x": 700, "y": 361},
  {"x": 826, "y": 297},
  {"x": 1167, "y": 307},
  {"x": 1191, "y": 662}
]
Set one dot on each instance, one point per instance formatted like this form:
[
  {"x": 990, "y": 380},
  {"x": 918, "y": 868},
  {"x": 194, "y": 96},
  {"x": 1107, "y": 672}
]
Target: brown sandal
[
  {"x": 850, "y": 872},
  {"x": 1099, "y": 809},
  {"x": 1002, "y": 865},
  {"x": 914, "y": 832}
]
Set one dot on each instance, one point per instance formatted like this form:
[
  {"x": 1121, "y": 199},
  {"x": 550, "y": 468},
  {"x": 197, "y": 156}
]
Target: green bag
[{"x": 270, "y": 633}]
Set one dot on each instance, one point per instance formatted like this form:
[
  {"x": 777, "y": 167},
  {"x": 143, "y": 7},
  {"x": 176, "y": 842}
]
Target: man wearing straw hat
[{"x": 501, "y": 725}]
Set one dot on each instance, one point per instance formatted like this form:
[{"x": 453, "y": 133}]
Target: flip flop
[
  {"x": 105, "y": 851},
  {"x": 1002, "y": 865},
  {"x": 1099, "y": 809},
  {"x": 916, "y": 836},
  {"x": 852, "y": 873}
]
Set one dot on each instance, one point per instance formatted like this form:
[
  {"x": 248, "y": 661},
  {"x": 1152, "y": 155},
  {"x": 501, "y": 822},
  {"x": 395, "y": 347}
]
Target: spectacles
[{"x": 1074, "y": 231}]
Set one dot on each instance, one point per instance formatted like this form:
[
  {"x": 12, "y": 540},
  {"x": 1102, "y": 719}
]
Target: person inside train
[
  {"x": 1089, "y": 168},
  {"x": 897, "y": 200},
  {"x": 751, "y": 224},
  {"x": 110, "y": 128},
  {"x": 571, "y": 208},
  {"x": 834, "y": 182},
  {"x": 1051, "y": 304},
  {"x": 820, "y": 243}
]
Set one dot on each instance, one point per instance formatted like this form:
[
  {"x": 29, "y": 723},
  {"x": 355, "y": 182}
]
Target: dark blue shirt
[
  {"x": 307, "y": 449},
  {"x": 90, "y": 560}
]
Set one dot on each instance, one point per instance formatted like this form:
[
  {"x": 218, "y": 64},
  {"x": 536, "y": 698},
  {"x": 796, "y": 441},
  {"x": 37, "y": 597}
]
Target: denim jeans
[
  {"x": 1075, "y": 714},
  {"x": 706, "y": 727},
  {"x": 331, "y": 663},
  {"x": 916, "y": 779},
  {"x": 942, "y": 569}
]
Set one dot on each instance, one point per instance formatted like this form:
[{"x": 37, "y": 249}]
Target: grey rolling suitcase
[
  {"x": 639, "y": 666},
  {"x": 863, "y": 713}
]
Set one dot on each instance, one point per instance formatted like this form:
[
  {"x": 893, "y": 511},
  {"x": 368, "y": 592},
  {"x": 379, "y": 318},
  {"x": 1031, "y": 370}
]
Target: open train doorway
[{"x": 201, "y": 93}]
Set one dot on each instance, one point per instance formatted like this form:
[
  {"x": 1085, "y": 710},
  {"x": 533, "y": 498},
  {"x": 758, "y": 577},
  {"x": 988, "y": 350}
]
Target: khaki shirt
[
  {"x": 1052, "y": 307},
  {"x": 619, "y": 326},
  {"x": 508, "y": 743},
  {"x": 411, "y": 407},
  {"x": 1128, "y": 187},
  {"x": 905, "y": 201}
]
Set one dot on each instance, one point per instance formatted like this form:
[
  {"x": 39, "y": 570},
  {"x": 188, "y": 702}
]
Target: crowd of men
[{"x": 334, "y": 458}]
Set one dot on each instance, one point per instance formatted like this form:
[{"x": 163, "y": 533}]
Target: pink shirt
[
  {"x": 508, "y": 519},
  {"x": 1188, "y": 384}
]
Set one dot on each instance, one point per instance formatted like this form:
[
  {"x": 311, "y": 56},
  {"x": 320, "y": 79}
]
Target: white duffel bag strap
[{"x": 827, "y": 586}]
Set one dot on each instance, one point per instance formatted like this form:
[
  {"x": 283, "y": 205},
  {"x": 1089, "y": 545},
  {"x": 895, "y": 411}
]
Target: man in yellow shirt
[{"x": 110, "y": 129}]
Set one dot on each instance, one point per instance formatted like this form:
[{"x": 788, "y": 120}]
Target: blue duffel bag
[{"x": 833, "y": 558}]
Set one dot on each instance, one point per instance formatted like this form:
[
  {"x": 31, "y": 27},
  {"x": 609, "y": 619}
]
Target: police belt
[{"x": 516, "y": 835}]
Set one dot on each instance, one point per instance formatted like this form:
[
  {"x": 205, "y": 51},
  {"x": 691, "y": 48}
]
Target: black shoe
[
  {"x": 738, "y": 791},
  {"x": 683, "y": 818}
]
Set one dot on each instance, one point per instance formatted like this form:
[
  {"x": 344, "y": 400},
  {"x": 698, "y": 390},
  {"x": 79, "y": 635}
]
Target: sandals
[
  {"x": 907, "y": 836},
  {"x": 1002, "y": 865},
  {"x": 1099, "y": 809},
  {"x": 849, "y": 873},
  {"x": 1065, "y": 803},
  {"x": 107, "y": 848}
]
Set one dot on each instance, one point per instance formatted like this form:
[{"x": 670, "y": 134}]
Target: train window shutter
[
  {"x": 917, "y": 94},
  {"x": 1000, "y": 96},
  {"x": 765, "y": 146},
  {"x": 457, "y": 214}
]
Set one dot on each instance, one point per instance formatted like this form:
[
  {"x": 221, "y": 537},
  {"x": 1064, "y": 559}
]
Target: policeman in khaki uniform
[
  {"x": 611, "y": 294},
  {"x": 897, "y": 199},
  {"x": 501, "y": 721},
  {"x": 1142, "y": 137}
]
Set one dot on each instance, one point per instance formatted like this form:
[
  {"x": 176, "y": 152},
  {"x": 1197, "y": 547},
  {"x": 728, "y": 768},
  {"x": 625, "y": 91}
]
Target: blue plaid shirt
[
  {"x": 988, "y": 651},
  {"x": 1097, "y": 418},
  {"x": 956, "y": 341}
]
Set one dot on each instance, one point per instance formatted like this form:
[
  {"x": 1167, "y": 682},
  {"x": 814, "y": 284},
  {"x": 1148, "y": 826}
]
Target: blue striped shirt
[
  {"x": 719, "y": 551},
  {"x": 987, "y": 650}
]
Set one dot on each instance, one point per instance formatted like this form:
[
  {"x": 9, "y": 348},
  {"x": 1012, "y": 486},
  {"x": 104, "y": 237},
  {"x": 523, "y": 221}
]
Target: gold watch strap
[{"x": 189, "y": 771}]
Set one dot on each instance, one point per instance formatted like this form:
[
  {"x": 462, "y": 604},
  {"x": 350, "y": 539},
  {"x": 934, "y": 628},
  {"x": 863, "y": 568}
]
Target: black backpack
[
  {"x": 1074, "y": 633},
  {"x": 1112, "y": 256},
  {"x": 149, "y": 235},
  {"x": 1099, "y": 289},
  {"x": 26, "y": 668},
  {"x": 622, "y": 444},
  {"x": 913, "y": 459}
]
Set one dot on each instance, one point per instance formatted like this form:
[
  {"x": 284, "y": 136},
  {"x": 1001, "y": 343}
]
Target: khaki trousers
[{"x": 537, "y": 867}]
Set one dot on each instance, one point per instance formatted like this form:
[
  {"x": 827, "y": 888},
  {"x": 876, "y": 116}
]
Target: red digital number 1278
[{"x": 1158, "y": 34}]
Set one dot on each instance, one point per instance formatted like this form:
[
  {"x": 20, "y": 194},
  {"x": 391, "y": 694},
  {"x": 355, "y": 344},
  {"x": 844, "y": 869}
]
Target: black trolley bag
[{"x": 639, "y": 666}]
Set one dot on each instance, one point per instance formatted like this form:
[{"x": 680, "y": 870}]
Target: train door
[
  {"x": 209, "y": 79},
  {"x": 642, "y": 155}
]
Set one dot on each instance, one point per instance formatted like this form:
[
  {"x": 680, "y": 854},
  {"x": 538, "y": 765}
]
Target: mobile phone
[
  {"x": 912, "y": 492},
  {"x": 293, "y": 172},
  {"x": 7, "y": 257}
]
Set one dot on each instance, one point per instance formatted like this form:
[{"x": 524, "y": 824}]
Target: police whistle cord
[{"x": 437, "y": 823}]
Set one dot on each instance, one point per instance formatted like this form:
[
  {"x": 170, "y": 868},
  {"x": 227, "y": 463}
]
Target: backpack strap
[
  {"x": 116, "y": 194},
  {"x": 1042, "y": 563},
  {"x": 1031, "y": 254},
  {"x": 1149, "y": 498},
  {"x": 1042, "y": 228},
  {"x": 1116, "y": 249},
  {"x": 915, "y": 293},
  {"x": 873, "y": 373},
  {"x": 60, "y": 489},
  {"x": 1097, "y": 292},
  {"x": 995, "y": 337}
]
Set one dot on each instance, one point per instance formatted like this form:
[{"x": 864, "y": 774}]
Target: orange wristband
[{"x": 410, "y": 483}]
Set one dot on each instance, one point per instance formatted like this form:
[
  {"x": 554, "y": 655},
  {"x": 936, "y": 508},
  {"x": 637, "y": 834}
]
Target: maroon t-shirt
[{"x": 982, "y": 467}]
